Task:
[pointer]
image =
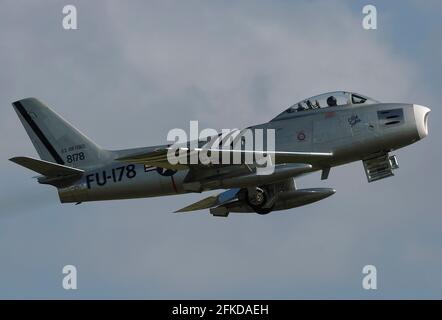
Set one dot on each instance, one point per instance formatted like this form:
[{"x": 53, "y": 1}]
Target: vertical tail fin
[{"x": 55, "y": 139}]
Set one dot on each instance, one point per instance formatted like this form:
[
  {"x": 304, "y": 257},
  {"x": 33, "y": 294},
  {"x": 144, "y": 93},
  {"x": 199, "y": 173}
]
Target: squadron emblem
[{"x": 354, "y": 119}]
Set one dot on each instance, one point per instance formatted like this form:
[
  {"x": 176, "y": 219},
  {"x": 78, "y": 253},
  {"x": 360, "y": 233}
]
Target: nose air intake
[{"x": 421, "y": 117}]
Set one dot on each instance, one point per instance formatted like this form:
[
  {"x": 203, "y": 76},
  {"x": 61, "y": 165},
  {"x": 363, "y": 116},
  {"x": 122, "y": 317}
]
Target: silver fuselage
[{"x": 350, "y": 132}]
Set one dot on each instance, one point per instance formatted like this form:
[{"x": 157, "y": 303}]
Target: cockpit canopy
[{"x": 328, "y": 100}]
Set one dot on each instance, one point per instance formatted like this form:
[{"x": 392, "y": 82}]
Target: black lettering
[
  {"x": 130, "y": 171},
  {"x": 101, "y": 183},
  {"x": 89, "y": 179},
  {"x": 120, "y": 174}
]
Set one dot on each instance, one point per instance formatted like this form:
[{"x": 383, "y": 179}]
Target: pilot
[
  {"x": 317, "y": 105},
  {"x": 331, "y": 101},
  {"x": 309, "y": 104}
]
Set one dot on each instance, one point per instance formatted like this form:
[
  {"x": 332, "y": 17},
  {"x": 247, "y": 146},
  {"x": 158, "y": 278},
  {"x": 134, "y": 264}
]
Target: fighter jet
[{"x": 315, "y": 134}]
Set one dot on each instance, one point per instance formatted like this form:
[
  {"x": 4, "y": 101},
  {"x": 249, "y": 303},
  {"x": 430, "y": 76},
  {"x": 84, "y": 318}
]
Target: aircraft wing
[
  {"x": 213, "y": 201},
  {"x": 234, "y": 200},
  {"x": 158, "y": 158}
]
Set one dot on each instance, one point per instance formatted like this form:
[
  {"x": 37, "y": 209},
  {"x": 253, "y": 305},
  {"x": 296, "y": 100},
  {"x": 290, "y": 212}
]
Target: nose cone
[{"x": 421, "y": 116}]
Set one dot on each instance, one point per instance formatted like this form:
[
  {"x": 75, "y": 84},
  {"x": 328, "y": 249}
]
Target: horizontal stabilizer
[{"x": 46, "y": 168}]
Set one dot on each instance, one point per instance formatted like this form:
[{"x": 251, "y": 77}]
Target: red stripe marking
[{"x": 330, "y": 114}]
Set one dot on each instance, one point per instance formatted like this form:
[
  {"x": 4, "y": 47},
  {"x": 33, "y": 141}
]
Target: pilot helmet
[{"x": 331, "y": 101}]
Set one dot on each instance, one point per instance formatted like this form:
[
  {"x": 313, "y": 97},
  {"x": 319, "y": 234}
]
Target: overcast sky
[{"x": 136, "y": 69}]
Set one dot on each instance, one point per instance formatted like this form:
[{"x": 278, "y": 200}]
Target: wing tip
[{"x": 16, "y": 159}]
